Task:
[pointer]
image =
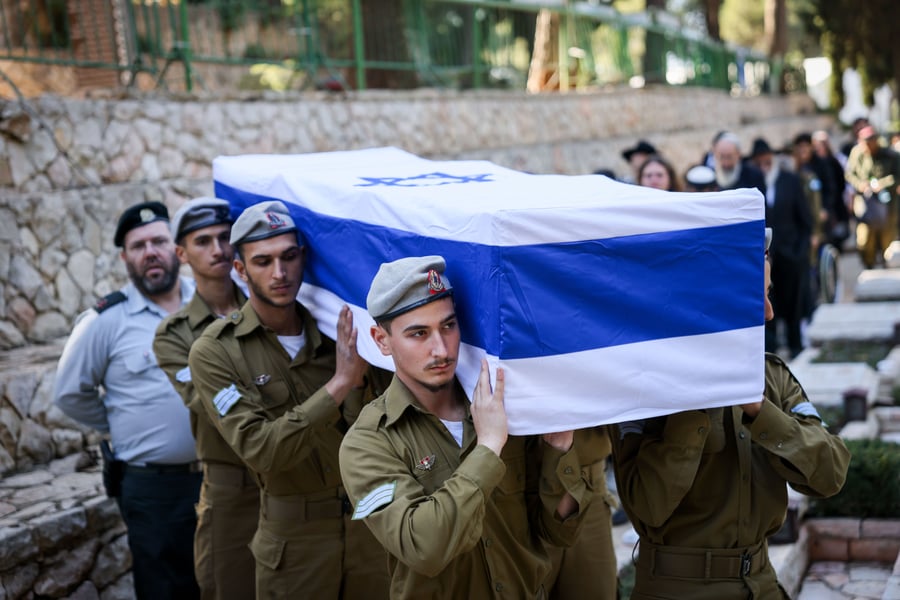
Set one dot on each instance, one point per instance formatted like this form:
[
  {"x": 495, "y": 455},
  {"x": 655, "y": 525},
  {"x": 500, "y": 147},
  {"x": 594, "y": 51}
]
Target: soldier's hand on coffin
[
  {"x": 350, "y": 367},
  {"x": 488, "y": 411}
]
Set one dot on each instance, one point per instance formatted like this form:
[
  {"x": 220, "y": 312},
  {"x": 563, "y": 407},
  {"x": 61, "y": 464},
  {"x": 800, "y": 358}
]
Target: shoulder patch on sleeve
[
  {"x": 226, "y": 398},
  {"x": 184, "y": 375},
  {"x": 806, "y": 409},
  {"x": 110, "y": 300},
  {"x": 631, "y": 427},
  {"x": 380, "y": 496}
]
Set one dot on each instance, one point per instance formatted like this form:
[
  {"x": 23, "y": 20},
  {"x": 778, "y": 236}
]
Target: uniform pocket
[
  {"x": 267, "y": 549},
  {"x": 273, "y": 396},
  {"x": 138, "y": 362}
]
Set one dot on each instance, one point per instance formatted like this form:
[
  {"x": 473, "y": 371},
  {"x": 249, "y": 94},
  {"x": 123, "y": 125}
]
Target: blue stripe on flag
[{"x": 556, "y": 298}]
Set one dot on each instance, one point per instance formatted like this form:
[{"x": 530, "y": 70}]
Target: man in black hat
[
  {"x": 151, "y": 466},
  {"x": 789, "y": 215},
  {"x": 635, "y": 157}
]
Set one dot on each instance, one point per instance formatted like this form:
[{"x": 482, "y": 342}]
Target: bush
[{"x": 872, "y": 489}]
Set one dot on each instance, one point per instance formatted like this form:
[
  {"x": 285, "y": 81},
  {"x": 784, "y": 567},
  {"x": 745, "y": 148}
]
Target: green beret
[
  {"x": 199, "y": 213},
  {"x": 261, "y": 221},
  {"x": 138, "y": 216},
  {"x": 405, "y": 284}
]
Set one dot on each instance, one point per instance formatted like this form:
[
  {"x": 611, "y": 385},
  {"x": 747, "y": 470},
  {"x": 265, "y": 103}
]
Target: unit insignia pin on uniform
[
  {"x": 262, "y": 379},
  {"x": 425, "y": 463}
]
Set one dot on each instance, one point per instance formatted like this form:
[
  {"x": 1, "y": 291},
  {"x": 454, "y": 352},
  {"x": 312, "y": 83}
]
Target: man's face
[
  {"x": 764, "y": 162},
  {"x": 802, "y": 153},
  {"x": 769, "y": 311},
  {"x": 272, "y": 268},
  {"x": 424, "y": 344},
  {"x": 727, "y": 155},
  {"x": 207, "y": 251},
  {"x": 149, "y": 255}
]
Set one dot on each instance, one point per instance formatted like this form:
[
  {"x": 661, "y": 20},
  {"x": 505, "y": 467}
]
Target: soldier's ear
[
  {"x": 381, "y": 338},
  {"x": 240, "y": 268},
  {"x": 180, "y": 253}
]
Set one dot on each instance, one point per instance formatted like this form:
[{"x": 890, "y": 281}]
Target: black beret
[
  {"x": 642, "y": 147},
  {"x": 138, "y": 216}
]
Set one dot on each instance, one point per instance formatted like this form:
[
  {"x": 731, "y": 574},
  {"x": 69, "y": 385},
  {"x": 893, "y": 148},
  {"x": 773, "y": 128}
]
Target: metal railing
[{"x": 345, "y": 44}]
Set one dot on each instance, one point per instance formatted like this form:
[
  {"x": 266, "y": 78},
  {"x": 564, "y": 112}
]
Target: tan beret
[
  {"x": 405, "y": 284},
  {"x": 199, "y": 213},
  {"x": 261, "y": 221}
]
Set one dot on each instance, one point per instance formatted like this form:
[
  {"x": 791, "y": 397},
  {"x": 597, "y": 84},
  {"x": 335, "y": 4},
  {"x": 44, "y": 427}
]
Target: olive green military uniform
[
  {"x": 862, "y": 167},
  {"x": 457, "y": 522},
  {"x": 588, "y": 569},
  {"x": 229, "y": 497},
  {"x": 277, "y": 415},
  {"x": 704, "y": 489}
]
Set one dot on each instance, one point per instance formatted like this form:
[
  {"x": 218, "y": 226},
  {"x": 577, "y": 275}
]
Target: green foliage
[
  {"x": 870, "y": 352},
  {"x": 872, "y": 489},
  {"x": 861, "y": 35}
]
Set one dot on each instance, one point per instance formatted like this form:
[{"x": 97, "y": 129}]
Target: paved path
[{"x": 843, "y": 581}]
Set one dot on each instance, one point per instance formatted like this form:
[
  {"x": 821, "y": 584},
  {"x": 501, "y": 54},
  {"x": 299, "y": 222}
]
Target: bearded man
[
  {"x": 731, "y": 171},
  {"x": 108, "y": 379}
]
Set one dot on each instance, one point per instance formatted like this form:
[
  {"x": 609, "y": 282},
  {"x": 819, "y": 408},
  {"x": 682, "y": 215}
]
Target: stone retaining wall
[
  {"x": 69, "y": 166},
  {"x": 60, "y": 536}
]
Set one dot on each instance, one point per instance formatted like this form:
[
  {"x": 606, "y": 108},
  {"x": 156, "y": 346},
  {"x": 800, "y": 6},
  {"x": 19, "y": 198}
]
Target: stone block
[
  {"x": 122, "y": 589},
  {"x": 65, "y": 570},
  {"x": 48, "y": 326},
  {"x": 56, "y": 529},
  {"x": 881, "y": 528},
  {"x": 81, "y": 269},
  {"x": 113, "y": 561},
  {"x": 878, "y": 549},
  {"x": 825, "y": 383},
  {"x": 855, "y": 322},
  {"x": 67, "y": 442},
  {"x": 24, "y": 276},
  {"x": 829, "y": 549},
  {"x": 878, "y": 285},
  {"x": 18, "y": 581},
  {"x": 102, "y": 512},
  {"x": 16, "y": 546},
  {"x": 837, "y": 527},
  {"x": 35, "y": 444},
  {"x": 85, "y": 591}
]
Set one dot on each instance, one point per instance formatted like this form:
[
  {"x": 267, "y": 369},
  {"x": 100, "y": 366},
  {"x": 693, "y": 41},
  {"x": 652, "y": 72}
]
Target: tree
[{"x": 859, "y": 35}]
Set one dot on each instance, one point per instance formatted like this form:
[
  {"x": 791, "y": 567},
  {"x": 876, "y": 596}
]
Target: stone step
[
  {"x": 878, "y": 285},
  {"x": 825, "y": 383},
  {"x": 870, "y": 321}
]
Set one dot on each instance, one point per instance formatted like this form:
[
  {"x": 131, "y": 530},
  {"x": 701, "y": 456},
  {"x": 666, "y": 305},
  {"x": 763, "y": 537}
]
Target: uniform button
[
  {"x": 328, "y": 469},
  {"x": 779, "y": 444},
  {"x": 702, "y": 430},
  {"x": 741, "y": 435},
  {"x": 764, "y": 436},
  {"x": 498, "y": 586},
  {"x": 568, "y": 470},
  {"x": 487, "y": 542}
]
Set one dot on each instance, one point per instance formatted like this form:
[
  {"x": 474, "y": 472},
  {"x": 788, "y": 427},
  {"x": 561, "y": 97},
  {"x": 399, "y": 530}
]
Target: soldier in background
[{"x": 229, "y": 497}]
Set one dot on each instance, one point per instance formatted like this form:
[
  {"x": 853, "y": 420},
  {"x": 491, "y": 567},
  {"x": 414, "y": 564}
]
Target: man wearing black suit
[
  {"x": 731, "y": 172},
  {"x": 788, "y": 214}
]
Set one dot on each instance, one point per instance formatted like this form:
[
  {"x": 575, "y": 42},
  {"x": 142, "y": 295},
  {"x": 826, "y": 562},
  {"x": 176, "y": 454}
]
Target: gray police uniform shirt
[{"x": 145, "y": 416}]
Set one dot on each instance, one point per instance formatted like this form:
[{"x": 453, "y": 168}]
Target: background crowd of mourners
[{"x": 820, "y": 193}]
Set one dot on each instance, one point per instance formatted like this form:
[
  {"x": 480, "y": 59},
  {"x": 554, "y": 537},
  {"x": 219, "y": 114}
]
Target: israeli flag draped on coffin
[{"x": 602, "y": 301}]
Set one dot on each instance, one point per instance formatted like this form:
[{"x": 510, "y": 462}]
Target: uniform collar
[
  {"x": 398, "y": 399},
  {"x": 137, "y": 302},
  {"x": 198, "y": 310},
  {"x": 249, "y": 322}
]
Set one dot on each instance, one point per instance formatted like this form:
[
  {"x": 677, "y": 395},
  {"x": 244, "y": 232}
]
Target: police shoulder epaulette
[{"x": 109, "y": 300}]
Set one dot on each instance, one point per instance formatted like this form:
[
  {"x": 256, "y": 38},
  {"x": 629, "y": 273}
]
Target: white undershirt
[
  {"x": 456, "y": 430},
  {"x": 292, "y": 344}
]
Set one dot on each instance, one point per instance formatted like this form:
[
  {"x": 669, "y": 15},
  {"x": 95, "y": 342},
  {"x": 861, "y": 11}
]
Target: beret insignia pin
[
  {"x": 425, "y": 463},
  {"x": 146, "y": 215},
  {"x": 275, "y": 221},
  {"x": 435, "y": 283}
]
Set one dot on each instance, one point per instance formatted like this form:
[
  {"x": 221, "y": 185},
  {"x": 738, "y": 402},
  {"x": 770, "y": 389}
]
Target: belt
[
  {"x": 703, "y": 564},
  {"x": 305, "y": 508},
  {"x": 163, "y": 469},
  {"x": 230, "y": 475}
]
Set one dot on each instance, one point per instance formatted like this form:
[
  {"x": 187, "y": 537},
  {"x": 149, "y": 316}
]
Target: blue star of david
[{"x": 425, "y": 180}]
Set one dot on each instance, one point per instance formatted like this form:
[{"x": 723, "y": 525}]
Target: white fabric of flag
[{"x": 602, "y": 301}]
